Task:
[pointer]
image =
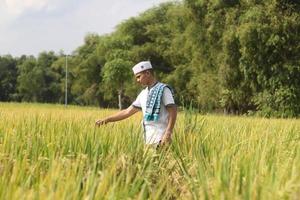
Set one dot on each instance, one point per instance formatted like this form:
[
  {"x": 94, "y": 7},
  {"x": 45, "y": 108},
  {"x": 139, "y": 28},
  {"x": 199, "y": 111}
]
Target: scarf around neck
[{"x": 153, "y": 102}]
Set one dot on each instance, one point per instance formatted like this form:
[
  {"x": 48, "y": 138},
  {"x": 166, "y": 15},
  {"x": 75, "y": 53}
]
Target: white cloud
[
  {"x": 17, "y": 7},
  {"x": 33, "y": 26},
  {"x": 12, "y": 9}
]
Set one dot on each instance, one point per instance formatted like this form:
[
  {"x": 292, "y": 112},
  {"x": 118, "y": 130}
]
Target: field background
[{"x": 53, "y": 152}]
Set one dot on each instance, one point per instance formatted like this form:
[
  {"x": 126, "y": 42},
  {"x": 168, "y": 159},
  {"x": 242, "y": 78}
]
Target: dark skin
[{"x": 145, "y": 78}]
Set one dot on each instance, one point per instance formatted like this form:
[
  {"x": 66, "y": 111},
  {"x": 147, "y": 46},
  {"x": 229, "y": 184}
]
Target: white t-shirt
[{"x": 154, "y": 130}]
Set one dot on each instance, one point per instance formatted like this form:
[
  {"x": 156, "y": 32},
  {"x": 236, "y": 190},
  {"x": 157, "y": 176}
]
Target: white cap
[{"x": 141, "y": 66}]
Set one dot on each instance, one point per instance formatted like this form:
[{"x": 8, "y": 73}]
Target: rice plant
[{"x": 53, "y": 152}]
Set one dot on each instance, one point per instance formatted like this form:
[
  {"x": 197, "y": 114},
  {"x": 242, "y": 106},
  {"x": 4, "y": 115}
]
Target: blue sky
[{"x": 32, "y": 26}]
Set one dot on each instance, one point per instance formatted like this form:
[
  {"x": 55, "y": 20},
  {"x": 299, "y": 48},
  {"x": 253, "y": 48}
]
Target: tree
[
  {"x": 117, "y": 69},
  {"x": 88, "y": 61},
  {"x": 36, "y": 81},
  {"x": 115, "y": 73},
  {"x": 30, "y": 80},
  {"x": 50, "y": 86},
  {"x": 270, "y": 57},
  {"x": 8, "y": 77}
]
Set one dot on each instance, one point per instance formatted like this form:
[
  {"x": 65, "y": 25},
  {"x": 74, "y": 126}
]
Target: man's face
[{"x": 142, "y": 77}]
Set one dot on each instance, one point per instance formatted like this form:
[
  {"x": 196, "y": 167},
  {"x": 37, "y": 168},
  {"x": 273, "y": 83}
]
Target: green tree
[
  {"x": 30, "y": 80},
  {"x": 115, "y": 74},
  {"x": 88, "y": 61},
  {"x": 270, "y": 57},
  {"x": 8, "y": 77},
  {"x": 36, "y": 81},
  {"x": 117, "y": 69},
  {"x": 50, "y": 86}
]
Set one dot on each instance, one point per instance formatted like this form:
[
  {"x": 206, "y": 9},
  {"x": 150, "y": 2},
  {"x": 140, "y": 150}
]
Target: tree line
[{"x": 236, "y": 56}]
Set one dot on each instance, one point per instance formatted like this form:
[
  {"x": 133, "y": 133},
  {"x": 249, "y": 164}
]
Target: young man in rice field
[{"x": 156, "y": 102}]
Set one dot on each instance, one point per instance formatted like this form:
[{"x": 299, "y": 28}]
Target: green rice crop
[{"x": 53, "y": 152}]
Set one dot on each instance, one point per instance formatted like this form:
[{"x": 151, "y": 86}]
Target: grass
[{"x": 53, "y": 152}]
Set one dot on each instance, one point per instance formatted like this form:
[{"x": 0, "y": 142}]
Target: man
[{"x": 157, "y": 104}]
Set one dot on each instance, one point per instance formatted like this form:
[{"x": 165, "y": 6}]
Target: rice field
[{"x": 53, "y": 152}]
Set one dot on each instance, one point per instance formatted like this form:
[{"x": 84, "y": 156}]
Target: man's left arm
[{"x": 172, "y": 110}]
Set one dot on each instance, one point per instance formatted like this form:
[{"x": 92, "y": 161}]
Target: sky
[{"x": 29, "y": 27}]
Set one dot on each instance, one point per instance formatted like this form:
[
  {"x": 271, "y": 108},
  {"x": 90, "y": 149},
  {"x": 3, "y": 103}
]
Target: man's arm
[
  {"x": 123, "y": 114},
  {"x": 172, "y": 110}
]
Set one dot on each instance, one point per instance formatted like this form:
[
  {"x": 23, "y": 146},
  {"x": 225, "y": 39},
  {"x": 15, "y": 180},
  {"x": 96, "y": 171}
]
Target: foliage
[
  {"x": 36, "y": 81},
  {"x": 8, "y": 77},
  {"x": 85, "y": 68},
  {"x": 240, "y": 56}
]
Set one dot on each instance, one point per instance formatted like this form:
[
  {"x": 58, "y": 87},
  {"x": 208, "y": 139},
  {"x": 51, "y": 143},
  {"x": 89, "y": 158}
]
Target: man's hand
[
  {"x": 123, "y": 114},
  {"x": 167, "y": 137},
  {"x": 101, "y": 122},
  {"x": 171, "y": 122}
]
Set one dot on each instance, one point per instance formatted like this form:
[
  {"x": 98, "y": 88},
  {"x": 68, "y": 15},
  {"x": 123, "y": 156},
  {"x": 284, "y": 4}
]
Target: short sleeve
[
  {"x": 167, "y": 97},
  {"x": 137, "y": 102}
]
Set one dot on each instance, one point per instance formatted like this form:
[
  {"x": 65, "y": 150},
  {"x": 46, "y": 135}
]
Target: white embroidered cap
[{"x": 141, "y": 66}]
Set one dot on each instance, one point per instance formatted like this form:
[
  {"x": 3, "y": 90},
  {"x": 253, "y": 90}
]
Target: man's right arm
[{"x": 123, "y": 114}]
